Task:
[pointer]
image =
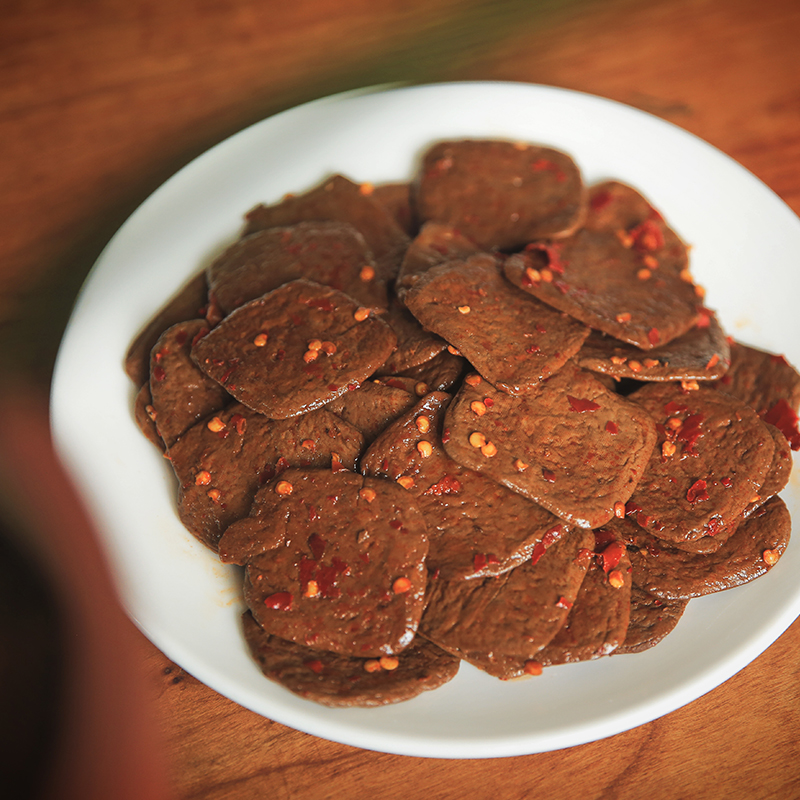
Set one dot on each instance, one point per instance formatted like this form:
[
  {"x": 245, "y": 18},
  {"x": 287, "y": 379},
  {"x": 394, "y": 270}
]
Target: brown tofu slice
[
  {"x": 651, "y": 620},
  {"x": 624, "y": 273},
  {"x": 499, "y": 624},
  {"x": 511, "y": 339},
  {"x": 500, "y": 194},
  {"x": 700, "y": 354},
  {"x": 571, "y": 445},
  {"x": 294, "y": 349},
  {"x": 476, "y": 527},
  {"x": 712, "y": 455},
  {"x": 223, "y": 461},
  {"x": 341, "y": 200},
  {"x": 753, "y": 549},
  {"x": 330, "y": 253},
  {"x": 333, "y": 560},
  {"x": 340, "y": 681}
]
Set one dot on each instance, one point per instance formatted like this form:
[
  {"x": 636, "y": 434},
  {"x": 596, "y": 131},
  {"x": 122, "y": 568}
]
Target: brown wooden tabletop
[{"x": 102, "y": 100}]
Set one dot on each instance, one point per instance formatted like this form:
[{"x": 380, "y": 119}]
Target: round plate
[{"x": 744, "y": 241}]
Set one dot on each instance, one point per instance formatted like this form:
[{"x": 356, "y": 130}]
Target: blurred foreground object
[{"x": 74, "y": 707}]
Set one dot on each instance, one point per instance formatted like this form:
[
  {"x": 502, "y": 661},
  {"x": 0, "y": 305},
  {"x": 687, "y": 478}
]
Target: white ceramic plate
[{"x": 745, "y": 245}]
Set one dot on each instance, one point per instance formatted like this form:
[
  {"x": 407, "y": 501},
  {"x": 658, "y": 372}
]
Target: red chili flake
[
  {"x": 704, "y": 318},
  {"x": 239, "y": 422},
  {"x": 564, "y": 603},
  {"x": 727, "y": 483},
  {"x": 281, "y": 465},
  {"x": 445, "y": 435},
  {"x": 488, "y": 402},
  {"x": 280, "y": 601},
  {"x": 600, "y": 200},
  {"x": 690, "y": 432},
  {"x": 578, "y": 404},
  {"x": 698, "y": 492},
  {"x": 714, "y": 526},
  {"x": 612, "y": 427},
  {"x": 332, "y": 387},
  {"x": 631, "y": 508},
  {"x": 612, "y": 555},
  {"x": 312, "y": 513},
  {"x": 653, "y": 336},
  {"x": 540, "y": 328},
  {"x": 396, "y": 524},
  {"x": 479, "y": 562},
  {"x": 549, "y": 537},
  {"x": 549, "y": 475},
  {"x": 647, "y": 236},
  {"x": 315, "y": 666},
  {"x": 447, "y": 485},
  {"x": 533, "y": 348},
  {"x": 783, "y": 417},
  {"x": 158, "y": 373},
  {"x": 674, "y": 407},
  {"x": 491, "y": 558}
]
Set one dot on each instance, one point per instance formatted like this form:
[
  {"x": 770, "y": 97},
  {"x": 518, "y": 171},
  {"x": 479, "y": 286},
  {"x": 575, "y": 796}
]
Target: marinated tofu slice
[
  {"x": 500, "y": 624},
  {"x": 755, "y": 546},
  {"x": 712, "y": 455},
  {"x": 768, "y": 383},
  {"x": 145, "y": 416},
  {"x": 330, "y": 253},
  {"x": 188, "y": 303},
  {"x": 373, "y": 407},
  {"x": 700, "y": 354},
  {"x": 334, "y": 561},
  {"x": 476, "y": 527},
  {"x": 339, "y": 199},
  {"x": 651, "y": 620},
  {"x": 294, "y": 349},
  {"x": 570, "y": 445},
  {"x": 500, "y": 194},
  {"x": 181, "y": 394},
  {"x": 597, "y": 623},
  {"x": 341, "y": 681},
  {"x": 223, "y": 461},
  {"x": 511, "y": 339},
  {"x": 435, "y": 244},
  {"x": 625, "y": 273}
]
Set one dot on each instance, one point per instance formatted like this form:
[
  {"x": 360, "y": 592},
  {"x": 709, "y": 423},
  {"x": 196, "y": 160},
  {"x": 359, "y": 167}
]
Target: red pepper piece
[
  {"x": 447, "y": 485},
  {"x": 280, "y": 601},
  {"x": 579, "y": 404},
  {"x": 698, "y": 492},
  {"x": 612, "y": 427},
  {"x": 612, "y": 555},
  {"x": 783, "y": 417}
]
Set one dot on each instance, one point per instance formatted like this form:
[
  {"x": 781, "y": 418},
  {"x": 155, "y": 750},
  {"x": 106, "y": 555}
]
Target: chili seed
[
  {"x": 215, "y": 425},
  {"x": 401, "y": 585},
  {"x": 214, "y": 495},
  {"x": 203, "y": 478},
  {"x": 389, "y": 662},
  {"x": 690, "y": 386},
  {"x": 312, "y": 589},
  {"x": 453, "y": 350},
  {"x": 489, "y": 450},
  {"x": 368, "y": 494},
  {"x": 520, "y": 465},
  {"x": 366, "y": 189},
  {"x": 472, "y": 379},
  {"x": 668, "y": 449},
  {"x": 547, "y": 275},
  {"x": 477, "y": 439},
  {"x": 643, "y": 274},
  {"x": 532, "y": 668},
  {"x": 616, "y": 579},
  {"x": 770, "y": 557},
  {"x": 619, "y": 509},
  {"x": 618, "y": 360},
  {"x": 634, "y": 366},
  {"x": 260, "y": 340},
  {"x": 423, "y": 424},
  {"x": 421, "y": 389},
  {"x": 464, "y": 309},
  {"x": 314, "y": 344},
  {"x": 361, "y": 314},
  {"x": 283, "y": 488},
  {"x": 477, "y": 407},
  {"x": 650, "y": 362},
  {"x": 367, "y": 273},
  {"x": 406, "y": 481},
  {"x": 310, "y": 355},
  {"x": 625, "y": 316},
  {"x": 533, "y": 275},
  {"x": 425, "y": 449},
  {"x": 329, "y": 348},
  {"x": 373, "y": 665}
]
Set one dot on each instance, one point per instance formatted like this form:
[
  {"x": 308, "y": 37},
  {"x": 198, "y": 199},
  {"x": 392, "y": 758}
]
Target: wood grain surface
[{"x": 102, "y": 100}]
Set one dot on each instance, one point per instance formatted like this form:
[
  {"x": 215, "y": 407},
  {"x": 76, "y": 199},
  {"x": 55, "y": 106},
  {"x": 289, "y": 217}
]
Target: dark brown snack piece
[
  {"x": 476, "y": 527},
  {"x": 628, "y": 279},
  {"x": 755, "y": 546},
  {"x": 439, "y": 374},
  {"x": 500, "y": 194},
  {"x": 221, "y": 462},
  {"x": 651, "y": 620},
  {"x": 372, "y": 407},
  {"x": 396, "y": 197},
  {"x": 435, "y": 244},
  {"x": 598, "y": 621},
  {"x": 180, "y": 393},
  {"x": 701, "y": 354},
  {"x": 499, "y": 624},
  {"x": 712, "y": 455},
  {"x": 768, "y": 383},
  {"x": 570, "y": 445},
  {"x": 342, "y": 681},
  {"x": 294, "y": 349},
  {"x": 781, "y": 469},
  {"x": 415, "y": 345},
  {"x": 331, "y": 253},
  {"x": 349, "y": 574},
  {"x": 188, "y": 303},
  {"x": 512, "y": 339},
  {"x": 339, "y": 199}
]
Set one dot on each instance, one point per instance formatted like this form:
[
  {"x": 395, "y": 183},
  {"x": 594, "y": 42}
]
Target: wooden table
[{"x": 102, "y": 100}]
